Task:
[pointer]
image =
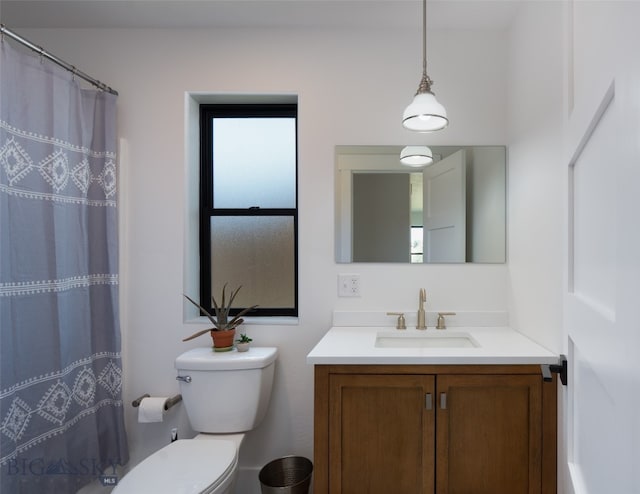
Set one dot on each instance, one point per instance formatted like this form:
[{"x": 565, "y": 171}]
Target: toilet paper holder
[{"x": 168, "y": 404}]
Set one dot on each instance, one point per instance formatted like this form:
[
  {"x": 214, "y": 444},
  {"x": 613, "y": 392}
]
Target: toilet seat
[{"x": 183, "y": 467}]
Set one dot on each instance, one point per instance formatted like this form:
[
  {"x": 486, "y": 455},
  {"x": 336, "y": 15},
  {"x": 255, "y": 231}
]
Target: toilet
[{"x": 225, "y": 395}]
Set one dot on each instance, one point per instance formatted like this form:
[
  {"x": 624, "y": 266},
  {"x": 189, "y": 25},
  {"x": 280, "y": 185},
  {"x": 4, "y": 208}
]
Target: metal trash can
[{"x": 290, "y": 475}]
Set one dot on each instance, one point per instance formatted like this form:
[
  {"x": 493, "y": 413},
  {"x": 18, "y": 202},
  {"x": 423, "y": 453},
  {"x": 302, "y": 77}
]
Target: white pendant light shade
[
  {"x": 416, "y": 156},
  {"x": 425, "y": 114}
]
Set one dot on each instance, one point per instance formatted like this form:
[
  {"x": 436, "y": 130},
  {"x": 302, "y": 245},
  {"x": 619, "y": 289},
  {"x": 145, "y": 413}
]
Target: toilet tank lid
[{"x": 204, "y": 358}]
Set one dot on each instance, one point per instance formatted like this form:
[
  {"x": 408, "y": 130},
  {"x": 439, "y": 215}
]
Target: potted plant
[
  {"x": 224, "y": 326},
  {"x": 243, "y": 343}
]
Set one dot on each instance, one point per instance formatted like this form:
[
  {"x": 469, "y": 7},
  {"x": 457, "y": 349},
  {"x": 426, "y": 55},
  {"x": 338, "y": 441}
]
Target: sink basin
[{"x": 403, "y": 339}]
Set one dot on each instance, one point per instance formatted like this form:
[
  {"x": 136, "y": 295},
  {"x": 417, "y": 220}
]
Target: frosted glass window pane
[
  {"x": 256, "y": 252},
  {"x": 254, "y": 162}
]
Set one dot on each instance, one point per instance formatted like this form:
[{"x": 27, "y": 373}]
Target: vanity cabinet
[{"x": 445, "y": 429}]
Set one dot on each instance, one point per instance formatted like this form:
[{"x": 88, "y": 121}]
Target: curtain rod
[{"x": 100, "y": 85}]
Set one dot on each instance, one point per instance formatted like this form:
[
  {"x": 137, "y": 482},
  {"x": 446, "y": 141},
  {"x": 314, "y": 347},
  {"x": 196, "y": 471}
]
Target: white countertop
[{"x": 354, "y": 345}]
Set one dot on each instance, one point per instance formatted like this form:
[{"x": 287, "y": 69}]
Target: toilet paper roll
[{"x": 152, "y": 409}]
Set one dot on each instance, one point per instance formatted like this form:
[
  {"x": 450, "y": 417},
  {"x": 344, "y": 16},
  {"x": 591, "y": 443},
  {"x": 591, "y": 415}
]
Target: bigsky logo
[{"x": 105, "y": 471}]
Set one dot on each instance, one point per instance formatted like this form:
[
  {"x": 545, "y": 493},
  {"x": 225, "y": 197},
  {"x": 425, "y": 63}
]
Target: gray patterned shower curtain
[{"x": 61, "y": 417}]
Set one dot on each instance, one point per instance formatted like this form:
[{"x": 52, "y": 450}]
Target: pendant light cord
[
  {"x": 424, "y": 36},
  {"x": 425, "y": 82}
]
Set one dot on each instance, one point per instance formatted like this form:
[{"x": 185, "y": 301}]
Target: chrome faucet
[{"x": 422, "y": 324}]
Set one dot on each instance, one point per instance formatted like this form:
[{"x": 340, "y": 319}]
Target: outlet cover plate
[{"x": 348, "y": 285}]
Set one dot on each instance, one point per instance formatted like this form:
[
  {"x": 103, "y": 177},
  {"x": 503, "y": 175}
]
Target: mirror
[{"x": 453, "y": 211}]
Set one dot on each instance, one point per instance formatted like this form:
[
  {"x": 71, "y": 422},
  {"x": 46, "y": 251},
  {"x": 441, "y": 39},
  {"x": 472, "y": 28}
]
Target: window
[
  {"x": 417, "y": 237},
  {"x": 248, "y": 206}
]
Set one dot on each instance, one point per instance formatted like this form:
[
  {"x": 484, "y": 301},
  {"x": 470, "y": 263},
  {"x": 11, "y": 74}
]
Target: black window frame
[{"x": 207, "y": 210}]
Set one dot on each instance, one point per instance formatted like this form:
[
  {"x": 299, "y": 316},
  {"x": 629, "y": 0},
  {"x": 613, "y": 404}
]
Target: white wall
[
  {"x": 352, "y": 87},
  {"x": 537, "y": 179}
]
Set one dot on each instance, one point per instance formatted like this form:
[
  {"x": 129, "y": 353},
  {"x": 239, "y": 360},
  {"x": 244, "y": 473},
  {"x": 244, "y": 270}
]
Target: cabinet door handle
[
  {"x": 428, "y": 401},
  {"x": 443, "y": 401}
]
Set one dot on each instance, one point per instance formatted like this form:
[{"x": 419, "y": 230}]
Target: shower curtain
[{"x": 61, "y": 417}]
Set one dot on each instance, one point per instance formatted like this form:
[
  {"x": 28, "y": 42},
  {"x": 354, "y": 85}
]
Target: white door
[
  {"x": 444, "y": 209},
  {"x": 602, "y": 307}
]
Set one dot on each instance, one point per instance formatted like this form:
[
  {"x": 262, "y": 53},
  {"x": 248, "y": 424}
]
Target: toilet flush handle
[{"x": 186, "y": 379}]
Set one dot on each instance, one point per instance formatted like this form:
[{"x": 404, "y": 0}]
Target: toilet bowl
[
  {"x": 185, "y": 466},
  {"x": 225, "y": 395}
]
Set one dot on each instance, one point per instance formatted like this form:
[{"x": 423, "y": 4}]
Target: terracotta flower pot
[{"x": 223, "y": 340}]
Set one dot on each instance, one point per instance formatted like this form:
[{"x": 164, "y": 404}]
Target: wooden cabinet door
[
  {"x": 489, "y": 430},
  {"x": 381, "y": 434}
]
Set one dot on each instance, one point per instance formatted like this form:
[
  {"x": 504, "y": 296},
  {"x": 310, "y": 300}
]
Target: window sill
[{"x": 254, "y": 321}]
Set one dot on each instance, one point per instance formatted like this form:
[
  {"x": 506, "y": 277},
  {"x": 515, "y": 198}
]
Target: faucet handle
[
  {"x": 401, "y": 324},
  {"x": 441, "y": 322}
]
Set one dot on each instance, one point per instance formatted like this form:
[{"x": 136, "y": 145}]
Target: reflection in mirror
[{"x": 453, "y": 211}]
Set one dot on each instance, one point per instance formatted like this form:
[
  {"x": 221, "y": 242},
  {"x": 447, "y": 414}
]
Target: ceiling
[{"x": 441, "y": 14}]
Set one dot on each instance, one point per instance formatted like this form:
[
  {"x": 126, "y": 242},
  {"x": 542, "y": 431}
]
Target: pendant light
[
  {"x": 416, "y": 156},
  {"x": 425, "y": 114}
]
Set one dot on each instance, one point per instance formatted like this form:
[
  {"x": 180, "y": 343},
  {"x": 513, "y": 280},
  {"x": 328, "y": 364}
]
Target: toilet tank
[{"x": 225, "y": 392}]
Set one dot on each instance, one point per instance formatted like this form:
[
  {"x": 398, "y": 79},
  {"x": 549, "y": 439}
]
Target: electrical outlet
[{"x": 348, "y": 285}]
